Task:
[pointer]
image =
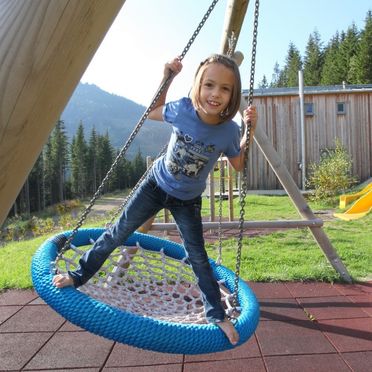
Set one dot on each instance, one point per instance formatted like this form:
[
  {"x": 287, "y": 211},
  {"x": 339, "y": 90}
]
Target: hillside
[{"x": 116, "y": 115}]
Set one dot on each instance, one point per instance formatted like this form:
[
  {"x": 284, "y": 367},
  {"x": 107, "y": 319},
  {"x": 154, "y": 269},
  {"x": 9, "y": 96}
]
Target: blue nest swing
[
  {"x": 123, "y": 326},
  {"x": 128, "y": 327}
]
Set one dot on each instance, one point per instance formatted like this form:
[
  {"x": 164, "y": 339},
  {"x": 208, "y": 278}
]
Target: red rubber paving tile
[
  {"x": 363, "y": 302},
  {"x": 235, "y": 365},
  {"x": 15, "y": 297},
  {"x": 331, "y": 307},
  {"x": 285, "y": 336},
  {"x": 7, "y": 311},
  {"x": 270, "y": 290},
  {"x": 69, "y": 327},
  {"x": 72, "y": 350},
  {"x": 281, "y": 309},
  {"x": 354, "y": 289},
  {"x": 359, "y": 361},
  {"x": 297, "y": 337},
  {"x": 124, "y": 355},
  {"x": 163, "y": 368},
  {"x": 311, "y": 289},
  {"x": 315, "y": 363},
  {"x": 38, "y": 318},
  {"x": 349, "y": 334},
  {"x": 248, "y": 350},
  {"x": 16, "y": 349}
]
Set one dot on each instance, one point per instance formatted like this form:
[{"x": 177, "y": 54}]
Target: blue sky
[{"x": 147, "y": 33}]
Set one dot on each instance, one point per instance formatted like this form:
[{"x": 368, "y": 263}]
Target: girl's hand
[
  {"x": 172, "y": 67},
  {"x": 250, "y": 115}
]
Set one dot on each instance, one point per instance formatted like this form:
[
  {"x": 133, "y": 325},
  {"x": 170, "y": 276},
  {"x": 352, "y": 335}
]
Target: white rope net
[{"x": 148, "y": 284}]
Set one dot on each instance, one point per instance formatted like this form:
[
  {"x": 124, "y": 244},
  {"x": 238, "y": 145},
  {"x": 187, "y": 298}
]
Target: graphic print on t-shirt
[{"x": 187, "y": 156}]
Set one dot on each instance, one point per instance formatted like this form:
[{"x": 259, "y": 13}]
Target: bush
[{"x": 332, "y": 175}]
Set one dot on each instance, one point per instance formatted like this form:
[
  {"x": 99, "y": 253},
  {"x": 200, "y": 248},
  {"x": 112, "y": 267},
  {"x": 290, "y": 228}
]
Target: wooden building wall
[{"x": 280, "y": 116}]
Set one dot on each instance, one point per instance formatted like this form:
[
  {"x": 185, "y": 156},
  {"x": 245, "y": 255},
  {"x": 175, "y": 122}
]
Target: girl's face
[{"x": 216, "y": 87}]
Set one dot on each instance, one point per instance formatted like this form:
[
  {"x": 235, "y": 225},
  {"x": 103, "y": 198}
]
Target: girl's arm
[
  {"x": 173, "y": 67},
  {"x": 249, "y": 114}
]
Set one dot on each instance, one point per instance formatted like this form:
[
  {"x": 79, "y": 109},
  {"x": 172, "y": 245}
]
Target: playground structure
[
  {"x": 44, "y": 49},
  {"x": 361, "y": 207}
]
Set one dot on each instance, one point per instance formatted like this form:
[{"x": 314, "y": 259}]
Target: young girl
[{"x": 202, "y": 129}]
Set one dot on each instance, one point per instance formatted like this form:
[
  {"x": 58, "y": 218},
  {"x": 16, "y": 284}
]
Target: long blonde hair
[{"x": 233, "y": 106}]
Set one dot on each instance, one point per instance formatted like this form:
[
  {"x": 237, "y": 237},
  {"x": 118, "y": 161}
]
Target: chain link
[
  {"x": 221, "y": 167},
  {"x": 131, "y": 137},
  {"x": 134, "y": 189},
  {"x": 244, "y": 183}
]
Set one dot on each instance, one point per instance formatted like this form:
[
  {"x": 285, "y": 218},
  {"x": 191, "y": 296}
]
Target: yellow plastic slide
[
  {"x": 347, "y": 198},
  {"x": 359, "y": 209}
]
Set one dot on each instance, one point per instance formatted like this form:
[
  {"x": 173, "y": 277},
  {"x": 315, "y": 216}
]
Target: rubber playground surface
[{"x": 303, "y": 327}]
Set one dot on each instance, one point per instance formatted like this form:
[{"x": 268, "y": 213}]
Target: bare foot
[
  {"x": 62, "y": 280},
  {"x": 229, "y": 330}
]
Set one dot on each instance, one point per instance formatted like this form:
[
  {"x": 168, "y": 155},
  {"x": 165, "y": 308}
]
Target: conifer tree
[
  {"x": 105, "y": 158},
  {"x": 275, "y": 77},
  {"x": 313, "y": 60},
  {"x": 364, "y": 56},
  {"x": 58, "y": 162},
  {"x": 292, "y": 65},
  {"x": 78, "y": 164},
  {"x": 263, "y": 84},
  {"x": 348, "y": 49},
  {"x": 92, "y": 163},
  {"x": 139, "y": 166},
  {"x": 121, "y": 176},
  {"x": 35, "y": 180},
  {"x": 331, "y": 72}
]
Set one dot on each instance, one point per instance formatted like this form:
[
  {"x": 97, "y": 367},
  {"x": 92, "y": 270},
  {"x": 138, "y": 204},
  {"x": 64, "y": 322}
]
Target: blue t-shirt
[{"x": 193, "y": 149}]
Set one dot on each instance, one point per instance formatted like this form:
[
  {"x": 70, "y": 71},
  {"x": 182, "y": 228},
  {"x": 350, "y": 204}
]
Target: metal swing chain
[
  {"x": 138, "y": 126},
  {"x": 244, "y": 184},
  {"x": 219, "y": 257},
  {"x": 134, "y": 189},
  {"x": 232, "y": 43}
]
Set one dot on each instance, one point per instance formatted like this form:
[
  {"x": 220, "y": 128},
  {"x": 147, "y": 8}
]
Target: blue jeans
[{"x": 148, "y": 200}]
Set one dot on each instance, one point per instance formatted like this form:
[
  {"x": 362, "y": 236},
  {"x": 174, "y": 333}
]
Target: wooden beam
[
  {"x": 234, "y": 17},
  {"x": 247, "y": 225},
  {"x": 45, "y": 47}
]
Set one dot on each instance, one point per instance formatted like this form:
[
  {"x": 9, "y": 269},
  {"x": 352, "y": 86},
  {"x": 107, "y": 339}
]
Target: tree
[
  {"x": 105, "y": 158},
  {"x": 275, "y": 77},
  {"x": 364, "y": 55},
  {"x": 79, "y": 152},
  {"x": 292, "y": 65},
  {"x": 56, "y": 162},
  {"x": 36, "y": 189},
  {"x": 264, "y": 83},
  {"x": 122, "y": 174},
  {"x": 92, "y": 163},
  {"x": 348, "y": 49},
  {"x": 313, "y": 60},
  {"x": 331, "y": 72},
  {"x": 139, "y": 167},
  {"x": 48, "y": 174}
]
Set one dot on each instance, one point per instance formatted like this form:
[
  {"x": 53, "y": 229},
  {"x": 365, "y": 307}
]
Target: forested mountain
[{"x": 115, "y": 115}]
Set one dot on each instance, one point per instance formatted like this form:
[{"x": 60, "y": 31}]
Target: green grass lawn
[{"x": 279, "y": 256}]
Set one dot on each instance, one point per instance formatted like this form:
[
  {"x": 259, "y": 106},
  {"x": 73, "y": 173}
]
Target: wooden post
[
  {"x": 302, "y": 125},
  {"x": 45, "y": 47},
  {"x": 212, "y": 200},
  {"x": 231, "y": 190},
  {"x": 234, "y": 17}
]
